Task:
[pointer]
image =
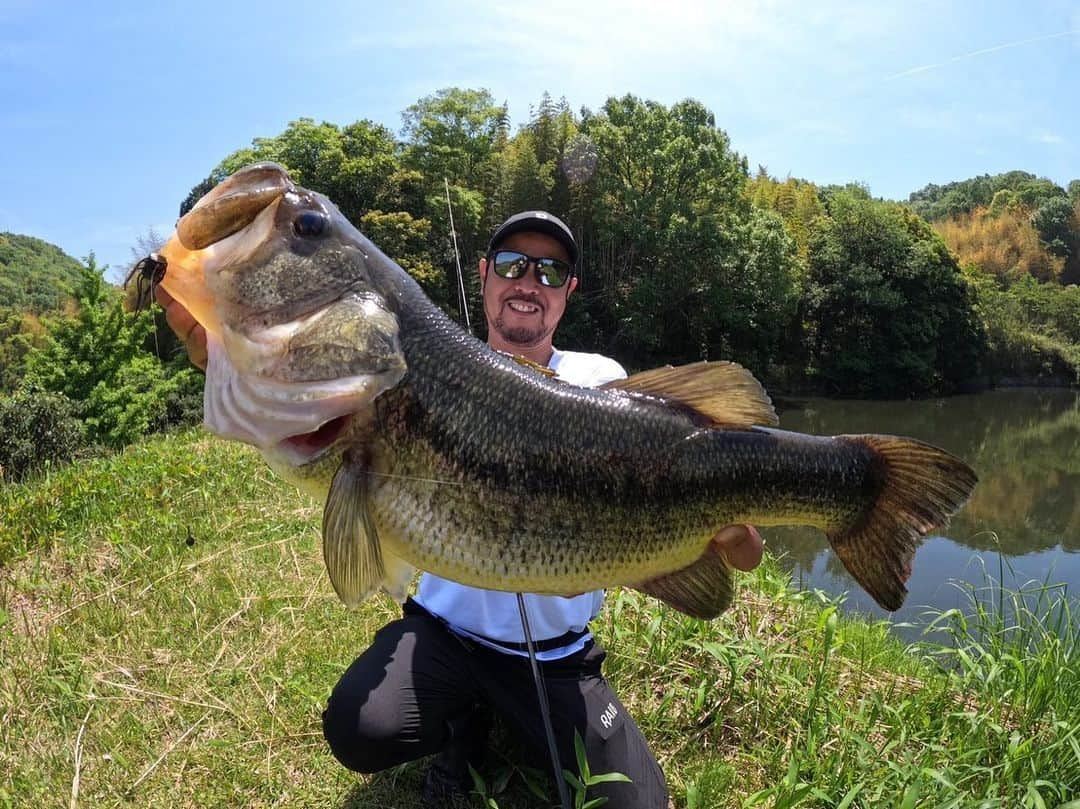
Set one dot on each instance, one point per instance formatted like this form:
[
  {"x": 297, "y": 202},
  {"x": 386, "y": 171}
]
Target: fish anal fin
[
  {"x": 399, "y": 575},
  {"x": 703, "y": 589},
  {"x": 919, "y": 487},
  {"x": 724, "y": 393},
  {"x": 351, "y": 549}
]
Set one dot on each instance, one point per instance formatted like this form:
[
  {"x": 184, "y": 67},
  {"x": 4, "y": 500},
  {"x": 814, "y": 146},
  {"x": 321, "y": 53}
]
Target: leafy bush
[
  {"x": 1033, "y": 329},
  {"x": 37, "y": 428},
  {"x": 99, "y": 358},
  {"x": 140, "y": 398}
]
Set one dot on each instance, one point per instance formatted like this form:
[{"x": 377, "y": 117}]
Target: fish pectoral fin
[
  {"x": 703, "y": 589},
  {"x": 351, "y": 550},
  {"x": 724, "y": 393}
]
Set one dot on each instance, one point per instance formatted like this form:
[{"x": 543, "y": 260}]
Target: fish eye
[{"x": 309, "y": 223}]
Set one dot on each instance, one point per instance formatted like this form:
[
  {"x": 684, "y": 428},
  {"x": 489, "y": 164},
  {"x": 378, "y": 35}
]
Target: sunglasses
[{"x": 510, "y": 264}]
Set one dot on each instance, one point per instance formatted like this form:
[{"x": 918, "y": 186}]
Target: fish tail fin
[{"x": 919, "y": 488}]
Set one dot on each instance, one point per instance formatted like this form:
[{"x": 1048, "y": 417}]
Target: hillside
[
  {"x": 34, "y": 274},
  {"x": 169, "y": 638},
  {"x": 1008, "y": 225}
]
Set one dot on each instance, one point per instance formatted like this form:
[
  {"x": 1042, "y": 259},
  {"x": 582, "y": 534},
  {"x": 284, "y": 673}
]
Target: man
[{"x": 427, "y": 681}]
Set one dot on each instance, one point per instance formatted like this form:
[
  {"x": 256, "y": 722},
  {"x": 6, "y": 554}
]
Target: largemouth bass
[{"x": 435, "y": 452}]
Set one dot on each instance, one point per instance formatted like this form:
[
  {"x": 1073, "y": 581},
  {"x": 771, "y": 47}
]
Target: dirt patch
[{"x": 28, "y": 613}]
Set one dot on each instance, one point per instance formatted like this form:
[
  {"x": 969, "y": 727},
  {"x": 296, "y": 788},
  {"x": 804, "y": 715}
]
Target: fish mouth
[{"x": 307, "y": 447}]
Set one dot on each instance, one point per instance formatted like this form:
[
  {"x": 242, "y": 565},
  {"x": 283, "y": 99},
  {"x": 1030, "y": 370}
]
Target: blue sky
[{"x": 111, "y": 112}]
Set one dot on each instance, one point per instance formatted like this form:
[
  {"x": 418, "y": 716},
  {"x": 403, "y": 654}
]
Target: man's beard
[{"x": 521, "y": 335}]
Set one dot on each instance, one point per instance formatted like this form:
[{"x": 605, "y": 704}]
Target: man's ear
[
  {"x": 571, "y": 286},
  {"x": 482, "y": 269}
]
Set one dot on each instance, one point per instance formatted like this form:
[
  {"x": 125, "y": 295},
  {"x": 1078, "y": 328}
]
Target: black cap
[{"x": 536, "y": 222}]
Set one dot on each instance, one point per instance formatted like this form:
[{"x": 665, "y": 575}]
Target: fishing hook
[{"x": 148, "y": 272}]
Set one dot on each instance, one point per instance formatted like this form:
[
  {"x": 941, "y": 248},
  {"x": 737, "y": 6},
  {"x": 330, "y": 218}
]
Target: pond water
[{"x": 1022, "y": 525}]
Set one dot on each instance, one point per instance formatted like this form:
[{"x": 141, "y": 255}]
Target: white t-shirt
[{"x": 492, "y": 615}]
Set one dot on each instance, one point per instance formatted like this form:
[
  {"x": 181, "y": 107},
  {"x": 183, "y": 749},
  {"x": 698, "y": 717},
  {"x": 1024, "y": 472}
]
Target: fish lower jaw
[{"x": 305, "y": 448}]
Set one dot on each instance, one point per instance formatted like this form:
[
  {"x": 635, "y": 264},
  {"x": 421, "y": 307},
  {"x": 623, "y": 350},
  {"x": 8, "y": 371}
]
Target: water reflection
[{"x": 1025, "y": 446}]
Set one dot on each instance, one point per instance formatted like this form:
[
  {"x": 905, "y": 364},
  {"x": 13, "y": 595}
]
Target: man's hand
[
  {"x": 741, "y": 545},
  {"x": 185, "y": 326}
]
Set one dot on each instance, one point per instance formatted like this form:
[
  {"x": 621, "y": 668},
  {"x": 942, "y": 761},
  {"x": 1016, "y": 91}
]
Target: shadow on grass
[
  {"x": 505, "y": 771},
  {"x": 396, "y": 788}
]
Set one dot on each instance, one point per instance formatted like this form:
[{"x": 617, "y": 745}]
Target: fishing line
[
  {"x": 394, "y": 476},
  {"x": 545, "y": 707}
]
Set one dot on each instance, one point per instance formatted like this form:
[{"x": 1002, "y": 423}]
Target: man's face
[{"x": 522, "y": 311}]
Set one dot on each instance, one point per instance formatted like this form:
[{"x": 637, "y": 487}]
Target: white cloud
[
  {"x": 1049, "y": 138},
  {"x": 673, "y": 48},
  {"x": 835, "y": 130},
  {"x": 1072, "y": 32},
  {"x": 929, "y": 119}
]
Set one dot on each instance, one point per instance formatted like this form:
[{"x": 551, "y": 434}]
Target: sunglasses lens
[
  {"x": 552, "y": 272},
  {"x": 508, "y": 264}
]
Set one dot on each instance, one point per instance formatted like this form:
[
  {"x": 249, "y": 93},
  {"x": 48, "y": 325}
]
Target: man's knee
[{"x": 364, "y": 740}]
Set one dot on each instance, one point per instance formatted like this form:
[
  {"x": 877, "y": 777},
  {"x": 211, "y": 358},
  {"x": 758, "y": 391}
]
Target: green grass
[{"x": 168, "y": 638}]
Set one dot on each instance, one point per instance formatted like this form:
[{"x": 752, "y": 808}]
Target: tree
[
  {"x": 889, "y": 312},
  {"x": 399, "y": 235},
  {"x": 355, "y": 166},
  {"x": 1051, "y": 220},
  {"x": 796, "y": 201},
  {"x": 1004, "y": 244},
  {"x": 35, "y": 276},
  {"x": 528, "y": 181},
  {"x": 358, "y": 167},
  {"x": 937, "y": 202},
  {"x": 96, "y": 358},
  {"x": 1070, "y": 273},
  {"x": 451, "y": 134},
  {"x": 20, "y": 335},
  {"x": 682, "y": 266}
]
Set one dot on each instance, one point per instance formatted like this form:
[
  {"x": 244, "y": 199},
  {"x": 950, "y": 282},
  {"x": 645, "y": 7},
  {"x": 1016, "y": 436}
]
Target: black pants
[{"x": 401, "y": 699}]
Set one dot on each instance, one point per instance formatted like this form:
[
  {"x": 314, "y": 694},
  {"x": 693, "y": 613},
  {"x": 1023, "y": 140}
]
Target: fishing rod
[
  {"x": 457, "y": 260},
  {"x": 538, "y": 680},
  {"x": 545, "y": 707}
]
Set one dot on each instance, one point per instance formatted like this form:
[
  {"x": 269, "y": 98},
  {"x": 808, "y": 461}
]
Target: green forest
[{"x": 687, "y": 254}]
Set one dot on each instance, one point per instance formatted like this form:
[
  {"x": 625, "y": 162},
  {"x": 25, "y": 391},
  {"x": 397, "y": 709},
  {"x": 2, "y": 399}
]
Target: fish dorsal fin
[
  {"x": 703, "y": 589},
  {"x": 530, "y": 364},
  {"x": 725, "y": 393}
]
